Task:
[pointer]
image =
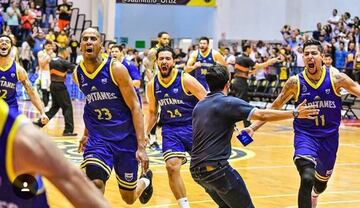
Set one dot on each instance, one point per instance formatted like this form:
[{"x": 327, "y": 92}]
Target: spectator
[
  {"x": 50, "y": 36},
  {"x": 62, "y": 39},
  {"x": 230, "y": 61},
  {"x": 27, "y": 22},
  {"x": 50, "y": 9},
  {"x": 26, "y": 54},
  {"x": 74, "y": 44},
  {"x": 14, "y": 15},
  {"x": 64, "y": 10},
  {"x": 340, "y": 56},
  {"x": 334, "y": 19},
  {"x": 316, "y": 33},
  {"x": 349, "y": 60}
]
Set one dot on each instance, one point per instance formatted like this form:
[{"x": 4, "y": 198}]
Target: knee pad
[
  {"x": 94, "y": 172},
  {"x": 320, "y": 186}
]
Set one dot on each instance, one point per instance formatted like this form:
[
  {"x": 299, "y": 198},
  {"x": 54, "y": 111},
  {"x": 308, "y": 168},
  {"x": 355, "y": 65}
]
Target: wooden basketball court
[{"x": 266, "y": 166}]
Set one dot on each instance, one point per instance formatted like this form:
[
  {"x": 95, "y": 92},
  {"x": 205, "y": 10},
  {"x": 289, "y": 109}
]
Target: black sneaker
[
  {"x": 148, "y": 192},
  {"x": 38, "y": 123},
  {"x": 69, "y": 134},
  {"x": 155, "y": 146}
]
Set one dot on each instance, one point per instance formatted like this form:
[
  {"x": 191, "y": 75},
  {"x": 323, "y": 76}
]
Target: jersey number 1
[{"x": 322, "y": 118}]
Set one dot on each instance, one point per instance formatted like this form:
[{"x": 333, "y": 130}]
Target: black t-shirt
[
  {"x": 244, "y": 61},
  {"x": 59, "y": 65},
  {"x": 213, "y": 124},
  {"x": 64, "y": 15}
]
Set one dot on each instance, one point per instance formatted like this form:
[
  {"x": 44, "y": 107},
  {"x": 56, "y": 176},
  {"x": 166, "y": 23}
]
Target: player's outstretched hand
[
  {"x": 307, "y": 111},
  {"x": 82, "y": 143},
  {"x": 44, "y": 119},
  {"x": 143, "y": 159}
]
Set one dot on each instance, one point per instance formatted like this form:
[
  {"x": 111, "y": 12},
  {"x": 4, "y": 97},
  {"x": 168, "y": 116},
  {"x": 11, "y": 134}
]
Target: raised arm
[
  {"x": 341, "y": 80},
  {"x": 124, "y": 82},
  {"x": 150, "y": 64},
  {"x": 194, "y": 87},
  {"x": 31, "y": 147},
  {"x": 34, "y": 96}
]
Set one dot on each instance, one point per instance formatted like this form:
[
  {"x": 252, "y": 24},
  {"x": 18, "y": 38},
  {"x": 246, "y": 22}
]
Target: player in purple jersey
[
  {"x": 22, "y": 150},
  {"x": 114, "y": 126},
  {"x": 315, "y": 141},
  {"x": 176, "y": 94},
  {"x": 11, "y": 73}
]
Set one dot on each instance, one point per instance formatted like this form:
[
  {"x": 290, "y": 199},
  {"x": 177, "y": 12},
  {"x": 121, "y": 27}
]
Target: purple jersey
[
  {"x": 8, "y": 80},
  {"x": 207, "y": 61},
  {"x": 106, "y": 115},
  {"x": 175, "y": 103},
  {"x": 326, "y": 99}
]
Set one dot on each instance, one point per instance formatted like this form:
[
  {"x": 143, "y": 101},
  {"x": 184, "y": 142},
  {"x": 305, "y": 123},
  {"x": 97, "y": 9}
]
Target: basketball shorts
[
  {"x": 321, "y": 151},
  {"x": 120, "y": 155},
  {"x": 176, "y": 141}
]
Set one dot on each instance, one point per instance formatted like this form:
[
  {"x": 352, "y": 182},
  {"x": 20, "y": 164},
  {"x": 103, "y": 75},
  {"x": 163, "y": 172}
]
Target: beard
[{"x": 166, "y": 74}]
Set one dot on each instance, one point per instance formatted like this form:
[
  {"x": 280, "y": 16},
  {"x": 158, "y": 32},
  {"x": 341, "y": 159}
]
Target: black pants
[
  {"x": 239, "y": 88},
  {"x": 45, "y": 96},
  {"x": 61, "y": 99},
  {"x": 224, "y": 185}
]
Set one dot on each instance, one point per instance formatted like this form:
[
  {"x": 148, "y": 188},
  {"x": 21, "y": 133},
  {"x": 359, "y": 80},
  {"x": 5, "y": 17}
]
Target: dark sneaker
[
  {"x": 69, "y": 134},
  {"x": 155, "y": 146},
  {"x": 38, "y": 123},
  {"x": 148, "y": 192}
]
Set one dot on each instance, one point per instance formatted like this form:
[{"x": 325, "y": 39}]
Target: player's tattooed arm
[
  {"x": 289, "y": 91},
  {"x": 341, "y": 80}
]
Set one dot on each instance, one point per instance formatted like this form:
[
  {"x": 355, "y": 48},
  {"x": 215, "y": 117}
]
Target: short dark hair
[
  {"x": 204, "y": 38},
  {"x": 160, "y": 34},
  {"x": 3, "y": 35},
  {"x": 62, "y": 50},
  {"x": 120, "y": 47},
  {"x": 48, "y": 42},
  {"x": 245, "y": 47},
  {"x": 327, "y": 55},
  {"x": 216, "y": 77},
  {"x": 165, "y": 48},
  {"x": 313, "y": 42}
]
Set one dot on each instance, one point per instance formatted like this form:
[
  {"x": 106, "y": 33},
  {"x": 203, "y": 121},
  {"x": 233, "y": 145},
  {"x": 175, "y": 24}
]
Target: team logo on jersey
[
  {"x": 304, "y": 88},
  {"x": 69, "y": 148},
  {"x": 104, "y": 81},
  {"x": 317, "y": 97},
  {"x": 93, "y": 88},
  {"x": 3, "y": 77},
  {"x": 129, "y": 176},
  {"x": 166, "y": 95},
  {"x": 327, "y": 91},
  {"x": 176, "y": 90},
  {"x": 12, "y": 75},
  {"x": 329, "y": 172}
]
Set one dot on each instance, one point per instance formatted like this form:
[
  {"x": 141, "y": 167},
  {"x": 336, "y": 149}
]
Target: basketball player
[
  {"x": 10, "y": 74},
  {"x": 163, "y": 40},
  {"x": 316, "y": 141},
  {"x": 176, "y": 94},
  {"x": 200, "y": 60},
  {"x": 114, "y": 125},
  {"x": 118, "y": 53},
  {"x": 22, "y": 150}
]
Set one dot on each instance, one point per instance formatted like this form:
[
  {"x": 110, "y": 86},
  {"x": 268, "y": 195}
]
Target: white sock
[
  {"x": 183, "y": 203},
  {"x": 146, "y": 181},
  {"x": 152, "y": 138}
]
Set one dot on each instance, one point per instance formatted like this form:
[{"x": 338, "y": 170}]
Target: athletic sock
[{"x": 183, "y": 203}]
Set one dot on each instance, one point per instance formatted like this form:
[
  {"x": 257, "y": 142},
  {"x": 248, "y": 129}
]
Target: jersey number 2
[
  {"x": 3, "y": 94},
  {"x": 103, "y": 114},
  {"x": 175, "y": 113}
]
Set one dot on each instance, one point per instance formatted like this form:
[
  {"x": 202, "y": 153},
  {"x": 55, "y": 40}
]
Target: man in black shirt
[
  {"x": 245, "y": 66},
  {"x": 213, "y": 124},
  {"x": 59, "y": 67}
]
